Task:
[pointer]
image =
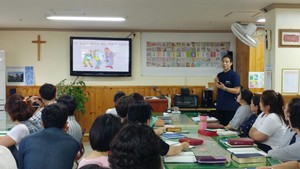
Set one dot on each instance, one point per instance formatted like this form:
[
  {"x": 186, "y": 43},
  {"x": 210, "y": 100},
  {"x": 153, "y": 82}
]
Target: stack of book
[
  {"x": 249, "y": 158},
  {"x": 246, "y": 150},
  {"x": 237, "y": 142},
  {"x": 240, "y": 141}
]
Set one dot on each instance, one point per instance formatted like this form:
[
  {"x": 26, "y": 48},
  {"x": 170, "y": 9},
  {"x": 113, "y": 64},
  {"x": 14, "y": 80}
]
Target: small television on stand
[{"x": 96, "y": 56}]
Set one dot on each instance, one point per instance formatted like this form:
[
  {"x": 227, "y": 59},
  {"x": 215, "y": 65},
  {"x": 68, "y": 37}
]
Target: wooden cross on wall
[{"x": 38, "y": 42}]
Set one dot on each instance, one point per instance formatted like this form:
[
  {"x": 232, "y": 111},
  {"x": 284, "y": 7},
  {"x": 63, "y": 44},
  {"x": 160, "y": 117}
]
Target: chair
[{"x": 81, "y": 149}]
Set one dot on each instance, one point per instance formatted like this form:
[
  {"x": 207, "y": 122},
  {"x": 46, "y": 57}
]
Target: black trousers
[{"x": 224, "y": 116}]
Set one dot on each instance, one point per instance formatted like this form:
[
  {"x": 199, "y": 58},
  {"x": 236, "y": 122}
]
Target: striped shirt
[
  {"x": 74, "y": 128},
  {"x": 36, "y": 119}
]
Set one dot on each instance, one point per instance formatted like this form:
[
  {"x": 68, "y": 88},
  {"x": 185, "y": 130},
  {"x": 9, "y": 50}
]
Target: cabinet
[{"x": 158, "y": 105}]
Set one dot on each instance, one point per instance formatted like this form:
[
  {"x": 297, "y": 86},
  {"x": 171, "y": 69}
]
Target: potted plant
[{"x": 75, "y": 89}]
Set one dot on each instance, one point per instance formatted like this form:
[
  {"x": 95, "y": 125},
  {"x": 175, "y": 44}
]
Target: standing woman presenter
[{"x": 228, "y": 86}]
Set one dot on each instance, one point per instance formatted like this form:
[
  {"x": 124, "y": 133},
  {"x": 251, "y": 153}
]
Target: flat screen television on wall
[{"x": 95, "y": 56}]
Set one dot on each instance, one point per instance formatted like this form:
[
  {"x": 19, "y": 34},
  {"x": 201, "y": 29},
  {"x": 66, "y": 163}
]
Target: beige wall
[
  {"x": 279, "y": 58},
  {"x": 54, "y": 64}
]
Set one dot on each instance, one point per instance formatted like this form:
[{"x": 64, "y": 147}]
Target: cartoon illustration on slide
[
  {"x": 87, "y": 57},
  {"x": 96, "y": 56},
  {"x": 108, "y": 58}
]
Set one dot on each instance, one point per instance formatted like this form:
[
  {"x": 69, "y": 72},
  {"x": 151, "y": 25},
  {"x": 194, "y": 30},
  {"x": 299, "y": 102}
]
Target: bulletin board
[{"x": 184, "y": 54}]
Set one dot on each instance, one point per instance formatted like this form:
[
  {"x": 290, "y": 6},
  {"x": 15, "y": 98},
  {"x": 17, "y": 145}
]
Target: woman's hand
[{"x": 220, "y": 85}]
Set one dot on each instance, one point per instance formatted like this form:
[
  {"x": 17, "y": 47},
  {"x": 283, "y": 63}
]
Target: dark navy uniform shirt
[{"x": 225, "y": 100}]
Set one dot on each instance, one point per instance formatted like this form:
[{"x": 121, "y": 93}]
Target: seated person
[
  {"x": 137, "y": 96},
  {"x": 243, "y": 112},
  {"x": 270, "y": 126},
  {"x": 19, "y": 110},
  {"x": 52, "y": 147},
  {"x": 135, "y": 146},
  {"x": 103, "y": 130},
  {"x": 7, "y": 160},
  {"x": 140, "y": 112},
  {"x": 74, "y": 128},
  {"x": 255, "y": 109},
  {"x": 154, "y": 120},
  {"x": 118, "y": 95},
  {"x": 122, "y": 106},
  {"x": 289, "y": 149},
  {"x": 286, "y": 165},
  {"x": 47, "y": 96}
]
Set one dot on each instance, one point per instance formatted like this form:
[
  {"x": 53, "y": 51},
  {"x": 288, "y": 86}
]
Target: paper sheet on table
[
  {"x": 209, "y": 119},
  {"x": 183, "y": 157},
  {"x": 223, "y": 132}
]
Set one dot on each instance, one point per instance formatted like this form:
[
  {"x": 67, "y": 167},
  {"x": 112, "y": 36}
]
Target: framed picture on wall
[
  {"x": 290, "y": 81},
  {"x": 289, "y": 38},
  {"x": 20, "y": 76}
]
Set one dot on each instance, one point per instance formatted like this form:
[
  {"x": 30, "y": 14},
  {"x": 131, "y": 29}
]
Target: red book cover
[
  {"x": 192, "y": 141},
  {"x": 207, "y": 133},
  {"x": 240, "y": 141}
]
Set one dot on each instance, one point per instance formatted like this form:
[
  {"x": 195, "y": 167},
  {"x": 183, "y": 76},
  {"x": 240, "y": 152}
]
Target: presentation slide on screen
[{"x": 101, "y": 55}]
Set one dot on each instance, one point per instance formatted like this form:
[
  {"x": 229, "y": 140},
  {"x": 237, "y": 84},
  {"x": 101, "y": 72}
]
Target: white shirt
[
  {"x": 112, "y": 111},
  {"x": 289, "y": 133},
  {"x": 287, "y": 152},
  {"x": 17, "y": 133},
  {"x": 74, "y": 128},
  {"x": 272, "y": 126},
  {"x": 7, "y": 160}
]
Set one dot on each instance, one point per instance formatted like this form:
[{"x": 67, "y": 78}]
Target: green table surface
[{"x": 3, "y": 133}]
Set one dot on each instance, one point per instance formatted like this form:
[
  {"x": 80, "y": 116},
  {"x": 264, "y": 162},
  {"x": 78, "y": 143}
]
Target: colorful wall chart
[
  {"x": 256, "y": 80},
  {"x": 186, "y": 54}
]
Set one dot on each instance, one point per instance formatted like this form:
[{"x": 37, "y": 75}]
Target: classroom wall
[
  {"x": 286, "y": 57},
  {"x": 279, "y": 58},
  {"x": 55, "y": 53}
]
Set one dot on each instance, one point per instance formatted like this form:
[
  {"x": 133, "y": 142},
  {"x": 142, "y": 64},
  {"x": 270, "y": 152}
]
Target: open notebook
[{"x": 183, "y": 157}]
